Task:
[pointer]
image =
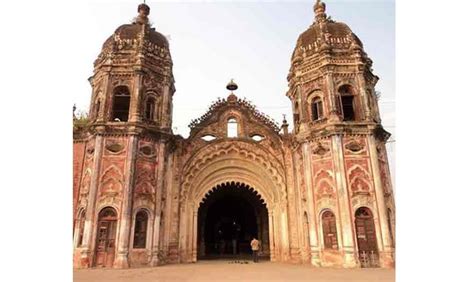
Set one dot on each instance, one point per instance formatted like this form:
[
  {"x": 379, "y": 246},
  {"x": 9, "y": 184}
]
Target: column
[
  {"x": 165, "y": 119},
  {"x": 285, "y": 240},
  {"x": 386, "y": 248},
  {"x": 271, "y": 232},
  {"x": 86, "y": 253},
  {"x": 135, "y": 105},
  {"x": 182, "y": 231},
  {"x": 313, "y": 239},
  {"x": 121, "y": 259},
  {"x": 345, "y": 211},
  {"x": 363, "y": 94},
  {"x": 155, "y": 260},
  {"x": 195, "y": 233},
  {"x": 333, "y": 113}
]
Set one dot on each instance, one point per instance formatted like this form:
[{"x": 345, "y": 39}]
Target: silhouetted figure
[{"x": 255, "y": 244}]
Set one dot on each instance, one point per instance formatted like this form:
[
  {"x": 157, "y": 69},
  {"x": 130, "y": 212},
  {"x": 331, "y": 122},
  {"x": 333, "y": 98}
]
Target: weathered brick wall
[{"x": 78, "y": 151}]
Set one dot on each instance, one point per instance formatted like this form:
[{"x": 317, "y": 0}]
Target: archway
[
  {"x": 234, "y": 161},
  {"x": 228, "y": 218},
  {"x": 366, "y": 238},
  {"x": 106, "y": 233}
]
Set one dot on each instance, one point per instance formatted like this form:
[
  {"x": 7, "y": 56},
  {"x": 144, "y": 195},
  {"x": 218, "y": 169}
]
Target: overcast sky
[{"x": 250, "y": 41}]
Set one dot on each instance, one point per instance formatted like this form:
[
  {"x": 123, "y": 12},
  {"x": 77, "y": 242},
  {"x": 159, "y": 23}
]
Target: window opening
[
  {"x": 150, "y": 109},
  {"x": 121, "y": 104},
  {"x": 141, "y": 222},
  {"x": 317, "y": 108},
  {"x": 232, "y": 128}
]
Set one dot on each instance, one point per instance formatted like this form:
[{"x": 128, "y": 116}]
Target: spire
[
  {"x": 143, "y": 12},
  {"x": 320, "y": 11},
  {"x": 232, "y": 86},
  {"x": 284, "y": 125}
]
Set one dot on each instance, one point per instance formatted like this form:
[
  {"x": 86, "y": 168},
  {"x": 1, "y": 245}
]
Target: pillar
[
  {"x": 364, "y": 95},
  {"x": 313, "y": 239},
  {"x": 195, "y": 235},
  {"x": 386, "y": 258},
  {"x": 271, "y": 231},
  {"x": 155, "y": 248},
  {"x": 121, "y": 259},
  {"x": 285, "y": 238},
  {"x": 86, "y": 252},
  {"x": 333, "y": 113},
  {"x": 135, "y": 105},
  {"x": 345, "y": 211}
]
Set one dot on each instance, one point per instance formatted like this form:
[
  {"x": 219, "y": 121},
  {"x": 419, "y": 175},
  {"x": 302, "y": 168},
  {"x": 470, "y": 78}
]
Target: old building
[{"x": 320, "y": 194}]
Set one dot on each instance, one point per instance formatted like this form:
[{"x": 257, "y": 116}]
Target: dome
[
  {"x": 129, "y": 36},
  {"x": 132, "y": 31},
  {"x": 325, "y": 31}
]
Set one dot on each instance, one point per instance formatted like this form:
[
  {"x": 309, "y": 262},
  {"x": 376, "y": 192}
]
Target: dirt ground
[{"x": 231, "y": 271}]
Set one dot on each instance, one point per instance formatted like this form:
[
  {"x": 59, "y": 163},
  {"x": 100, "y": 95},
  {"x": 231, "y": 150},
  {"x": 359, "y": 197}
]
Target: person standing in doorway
[{"x": 255, "y": 244}]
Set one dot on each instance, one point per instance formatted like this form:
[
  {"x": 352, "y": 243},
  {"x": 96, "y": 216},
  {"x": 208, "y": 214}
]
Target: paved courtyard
[{"x": 229, "y": 271}]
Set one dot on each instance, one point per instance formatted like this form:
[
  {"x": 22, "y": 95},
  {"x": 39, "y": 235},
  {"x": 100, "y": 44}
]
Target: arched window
[
  {"x": 141, "y": 223},
  {"x": 121, "y": 104},
  {"x": 150, "y": 109},
  {"x": 329, "y": 230},
  {"x": 232, "y": 128},
  {"x": 347, "y": 105},
  {"x": 80, "y": 233},
  {"x": 317, "y": 108}
]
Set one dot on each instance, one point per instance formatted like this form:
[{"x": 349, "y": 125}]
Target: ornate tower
[
  {"x": 120, "y": 160},
  {"x": 133, "y": 81},
  {"x": 342, "y": 144}
]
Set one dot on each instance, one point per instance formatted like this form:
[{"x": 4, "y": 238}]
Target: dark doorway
[
  {"x": 366, "y": 238},
  {"x": 229, "y": 217},
  {"x": 106, "y": 231}
]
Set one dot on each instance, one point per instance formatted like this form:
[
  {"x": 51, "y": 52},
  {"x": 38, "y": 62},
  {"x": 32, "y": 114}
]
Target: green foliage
[{"x": 80, "y": 120}]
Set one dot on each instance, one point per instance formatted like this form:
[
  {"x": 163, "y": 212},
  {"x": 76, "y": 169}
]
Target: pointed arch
[
  {"x": 359, "y": 180},
  {"x": 112, "y": 181}
]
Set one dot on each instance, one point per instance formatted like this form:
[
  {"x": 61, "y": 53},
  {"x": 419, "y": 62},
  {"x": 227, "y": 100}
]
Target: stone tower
[
  {"x": 133, "y": 80},
  {"x": 119, "y": 162},
  {"x": 341, "y": 140}
]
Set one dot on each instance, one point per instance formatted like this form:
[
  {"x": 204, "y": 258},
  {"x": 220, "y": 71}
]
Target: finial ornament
[
  {"x": 143, "y": 12},
  {"x": 320, "y": 10},
  {"x": 232, "y": 85}
]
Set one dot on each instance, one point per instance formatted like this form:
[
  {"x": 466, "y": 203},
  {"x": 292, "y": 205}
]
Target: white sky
[{"x": 250, "y": 41}]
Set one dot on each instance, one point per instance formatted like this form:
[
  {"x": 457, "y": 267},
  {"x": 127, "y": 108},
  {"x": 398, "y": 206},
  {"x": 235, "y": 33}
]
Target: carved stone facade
[{"x": 322, "y": 193}]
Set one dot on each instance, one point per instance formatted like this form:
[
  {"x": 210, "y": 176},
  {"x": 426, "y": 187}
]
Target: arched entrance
[
  {"x": 366, "y": 238},
  {"x": 234, "y": 161},
  {"x": 228, "y": 218},
  {"x": 106, "y": 233}
]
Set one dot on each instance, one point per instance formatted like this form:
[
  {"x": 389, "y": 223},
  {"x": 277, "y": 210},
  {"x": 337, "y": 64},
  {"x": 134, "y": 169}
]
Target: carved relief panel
[
  {"x": 144, "y": 190},
  {"x": 111, "y": 180}
]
